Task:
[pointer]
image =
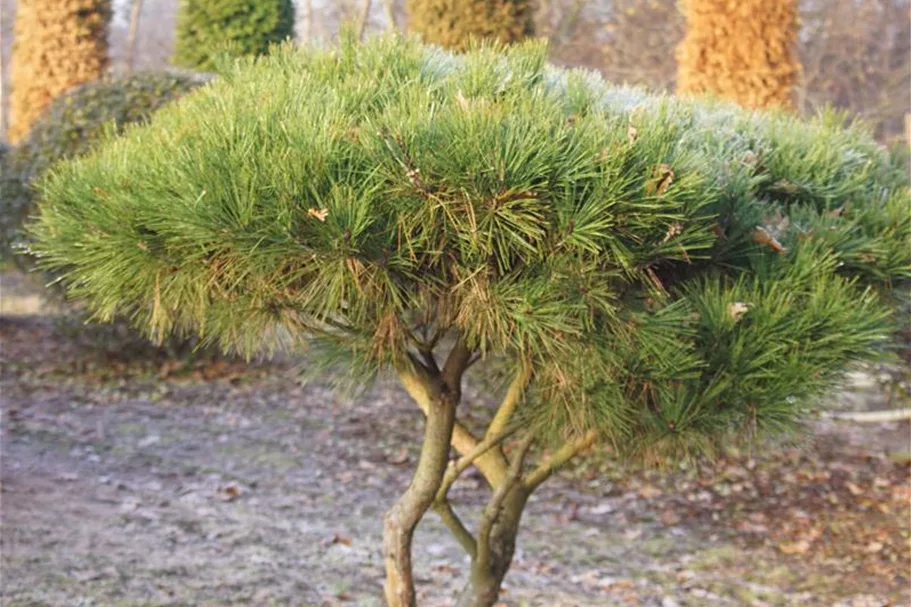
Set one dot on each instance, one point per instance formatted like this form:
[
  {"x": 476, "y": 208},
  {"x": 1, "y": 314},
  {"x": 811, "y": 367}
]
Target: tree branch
[
  {"x": 492, "y": 511},
  {"x": 364, "y": 18},
  {"x": 492, "y": 464},
  {"x": 458, "y": 530},
  {"x": 559, "y": 457},
  {"x": 390, "y": 15},
  {"x": 455, "y": 365},
  {"x": 456, "y": 467},
  {"x": 510, "y": 401}
]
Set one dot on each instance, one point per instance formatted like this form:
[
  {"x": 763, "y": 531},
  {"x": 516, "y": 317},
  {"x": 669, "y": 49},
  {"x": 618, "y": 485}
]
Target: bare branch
[
  {"x": 388, "y": 9},
  {"x": 890, "y": 415},
  {"x": 512, "y": 399},
  {"x": 492, "y": 511},
  {"x": 458, "y": 529},
  {"x": 456, "y": 467},
  {"x": 455, "y": 365},
  {"x": 132, "y": 35},
  {"x": 492, "y": 464},
  {"x": 307, "y": 33},
  {"x": 559, "y": 457},
  {"x": 568, "y": 22},
  {"x": 364, "y": 18}
]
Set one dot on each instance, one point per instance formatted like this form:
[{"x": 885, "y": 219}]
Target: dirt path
[{"x": 122, "y": 488}]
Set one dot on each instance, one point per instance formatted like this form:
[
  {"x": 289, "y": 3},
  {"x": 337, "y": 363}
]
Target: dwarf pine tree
[{"x": 655, "y": 274}]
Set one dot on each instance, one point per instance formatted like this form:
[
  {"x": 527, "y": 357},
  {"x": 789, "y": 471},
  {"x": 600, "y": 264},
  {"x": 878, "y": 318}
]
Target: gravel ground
[{"x": 137, "y": 484}]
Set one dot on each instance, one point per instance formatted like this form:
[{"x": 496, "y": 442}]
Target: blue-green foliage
[{"x": 673, "y": 270}]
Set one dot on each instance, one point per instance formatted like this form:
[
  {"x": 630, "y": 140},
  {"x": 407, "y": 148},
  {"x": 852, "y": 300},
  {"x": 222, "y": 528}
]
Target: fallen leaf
[
  {"x": 230, "y": 492},
  {"x": 670, "y": 517},
  {"x": 399, "y": 457},
  {"x": 798, "y": 547},
  {"x": 649, "y": 492}
]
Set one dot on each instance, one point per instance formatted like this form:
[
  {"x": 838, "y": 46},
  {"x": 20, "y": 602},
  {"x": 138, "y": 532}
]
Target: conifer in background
[
  {"x": 659, "y": 275},
  {"x": 207, "y": 28},
  {"x": 741, "y": 50},
  {"x": 451, "y": 23},
  {"x": 58, "y": 44}
]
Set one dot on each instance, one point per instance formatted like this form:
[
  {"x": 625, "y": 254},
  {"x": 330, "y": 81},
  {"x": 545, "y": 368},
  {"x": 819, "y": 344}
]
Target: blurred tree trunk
[
  {"x": 743, "y": 51},
  {"x": 132, "y": 34},
  {"x": 452, "y": 23},
  {"x": 58, "y": 45}
]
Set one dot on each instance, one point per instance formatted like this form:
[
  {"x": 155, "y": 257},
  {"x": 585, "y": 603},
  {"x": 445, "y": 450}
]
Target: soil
[{"x": 150, "y": 483}]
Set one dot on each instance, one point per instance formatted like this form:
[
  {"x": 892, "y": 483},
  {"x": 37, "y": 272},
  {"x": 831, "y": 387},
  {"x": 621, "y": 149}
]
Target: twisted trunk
[
  {"x": 402, "y": 519},
  {"x": 483, "y": 587},
  {"x": 443, "y": 390}
]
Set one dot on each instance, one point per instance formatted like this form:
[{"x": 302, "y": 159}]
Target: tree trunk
[
  {"x": 402, "y": 519},
  {"x": 483, "y": 587},
  {"x": 132, "y": 36}
]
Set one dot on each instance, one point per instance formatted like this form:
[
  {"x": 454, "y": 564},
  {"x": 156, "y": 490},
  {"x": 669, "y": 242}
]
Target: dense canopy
[{"x": 670, "y": 269}]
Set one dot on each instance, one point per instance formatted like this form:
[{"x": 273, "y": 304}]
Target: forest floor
[{"x": 153, "y": 484}]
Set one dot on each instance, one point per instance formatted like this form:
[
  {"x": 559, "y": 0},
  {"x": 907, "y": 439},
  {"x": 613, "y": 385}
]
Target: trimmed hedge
[
  {"x": 72, "y": 126},
  {"x": 452, "y": 23},
  {"x": 58, "y": 44},
  {"x": 207, "y": 28}
]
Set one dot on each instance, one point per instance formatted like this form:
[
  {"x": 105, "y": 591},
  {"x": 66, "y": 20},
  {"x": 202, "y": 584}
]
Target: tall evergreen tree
[
  {"x": 655, "y": 274},
  {"x": 206, "y": 28},
  {"x": 452, "y": 23},
  {"x": 58, "y": 44},
  {"x": 743, "y": 51}
]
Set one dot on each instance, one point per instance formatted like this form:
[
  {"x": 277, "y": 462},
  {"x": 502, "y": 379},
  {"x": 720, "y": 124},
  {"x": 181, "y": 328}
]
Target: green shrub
[
  {"x": 207, "y": 28},
  {"x": 659, "y": 274},
  {"x": 453, "y": 23},
  {"x": 73, "y": 124}
]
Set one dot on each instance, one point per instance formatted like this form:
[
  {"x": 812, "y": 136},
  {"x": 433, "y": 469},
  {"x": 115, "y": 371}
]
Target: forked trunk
[
  {"x": 407, "y": 512},
  {"x": 483, "y": 587}
]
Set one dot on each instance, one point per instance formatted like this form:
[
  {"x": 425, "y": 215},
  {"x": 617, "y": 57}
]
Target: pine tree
[
  {"x": 743, "y": 51},
  {"x": 659, "y": 275},
  {"x": 58, "y": 44},
  {"x": 452, "y": 23},
  {"x": 206, "y": 28}
]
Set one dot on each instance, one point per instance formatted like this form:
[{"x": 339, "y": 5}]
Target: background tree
[
  {"x": 451, "y": 23},
  {"x": 659, "y": 275},
  {"x": 206, "y": 28},
  {"x": 58, "y": 44},
  {"x": 744, "y": 51}
]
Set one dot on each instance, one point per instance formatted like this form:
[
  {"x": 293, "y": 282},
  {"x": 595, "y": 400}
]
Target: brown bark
[
  {"x": 444, "y": 391},
  {"x": 483, "y": 587},
  {"x": 402, "y": 519}
]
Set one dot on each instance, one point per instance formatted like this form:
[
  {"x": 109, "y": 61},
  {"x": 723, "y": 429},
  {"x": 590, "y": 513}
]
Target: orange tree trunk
[
  {"x": 58, "y": 44},
  {"x": 741, "y": 50},
  {"x": 451, "y": 23}
]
